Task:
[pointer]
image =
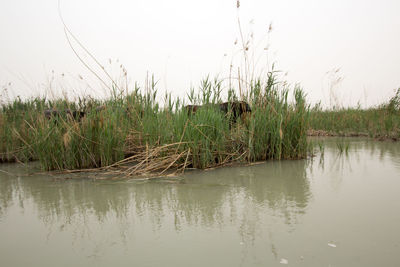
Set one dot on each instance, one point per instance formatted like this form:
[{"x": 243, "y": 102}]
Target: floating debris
[
  {"x": 284, "y": 261},
  {"x": 332, "y": 245}
]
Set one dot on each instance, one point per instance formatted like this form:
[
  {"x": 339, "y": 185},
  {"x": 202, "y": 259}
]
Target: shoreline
[{"x": 324, "y": 133}]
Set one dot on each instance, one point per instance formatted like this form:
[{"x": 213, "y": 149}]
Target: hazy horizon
[{"x": 181, "y": 42}]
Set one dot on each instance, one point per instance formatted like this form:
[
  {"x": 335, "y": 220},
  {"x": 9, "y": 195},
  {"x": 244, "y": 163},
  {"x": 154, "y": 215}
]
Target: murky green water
[{"x": 335, "y": 210}]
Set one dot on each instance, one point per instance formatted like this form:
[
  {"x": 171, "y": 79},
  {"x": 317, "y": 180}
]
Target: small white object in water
[
  {"x": 332, "y": 245},
  {"x": 241, "y": 243},
  {"x": 284, "y": 261}
]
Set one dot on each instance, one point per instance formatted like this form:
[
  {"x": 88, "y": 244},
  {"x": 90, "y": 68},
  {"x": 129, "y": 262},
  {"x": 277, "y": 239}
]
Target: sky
[{"x": 341, "y": 52}]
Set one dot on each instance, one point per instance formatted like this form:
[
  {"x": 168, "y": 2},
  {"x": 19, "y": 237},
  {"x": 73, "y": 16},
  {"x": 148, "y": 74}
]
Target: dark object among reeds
[
  {"x": 233, "y": 110},
  {"x": 72, "y": 114}
]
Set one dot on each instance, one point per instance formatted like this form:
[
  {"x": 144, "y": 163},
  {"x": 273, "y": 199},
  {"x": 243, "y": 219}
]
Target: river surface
[{"x": 334, "y": 209}]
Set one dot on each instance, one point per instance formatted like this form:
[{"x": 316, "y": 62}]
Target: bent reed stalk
[{"x": 133, "y": 135}]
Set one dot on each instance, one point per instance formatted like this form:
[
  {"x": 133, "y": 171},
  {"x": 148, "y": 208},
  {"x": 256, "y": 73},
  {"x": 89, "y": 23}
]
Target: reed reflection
[
  {"x": 212, "y": 198},
  {"x": 359, "y": 148}
]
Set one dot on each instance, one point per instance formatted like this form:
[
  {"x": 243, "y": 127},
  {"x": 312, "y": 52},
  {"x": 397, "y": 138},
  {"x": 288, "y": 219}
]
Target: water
[{"x": 336, "y": 209}]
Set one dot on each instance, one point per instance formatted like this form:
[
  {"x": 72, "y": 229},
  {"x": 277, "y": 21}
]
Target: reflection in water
[
  {"x": 341, "y": 163},
  {"x": 212, "y": 198},
  {"x": 256, "y": 213},
  {"x": 228, "y": 198},
  {"x": 378, "y": 150}
]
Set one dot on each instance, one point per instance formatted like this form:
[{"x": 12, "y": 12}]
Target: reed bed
[
  {"x": 133, "y": 135},
  {"x": 382, "y": 122}
]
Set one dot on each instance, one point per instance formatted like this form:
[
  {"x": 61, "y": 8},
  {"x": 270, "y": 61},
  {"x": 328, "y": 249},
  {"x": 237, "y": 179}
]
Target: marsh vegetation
[
  {"x": 133, "y": 134},
  {"x": 381, "y": 122}
]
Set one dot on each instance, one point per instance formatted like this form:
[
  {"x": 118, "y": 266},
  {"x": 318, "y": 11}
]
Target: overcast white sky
[{"x": 183, "y": 41}]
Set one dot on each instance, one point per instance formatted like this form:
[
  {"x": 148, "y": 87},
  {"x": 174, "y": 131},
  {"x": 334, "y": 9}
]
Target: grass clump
[{"x": 17, "y": 122}]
